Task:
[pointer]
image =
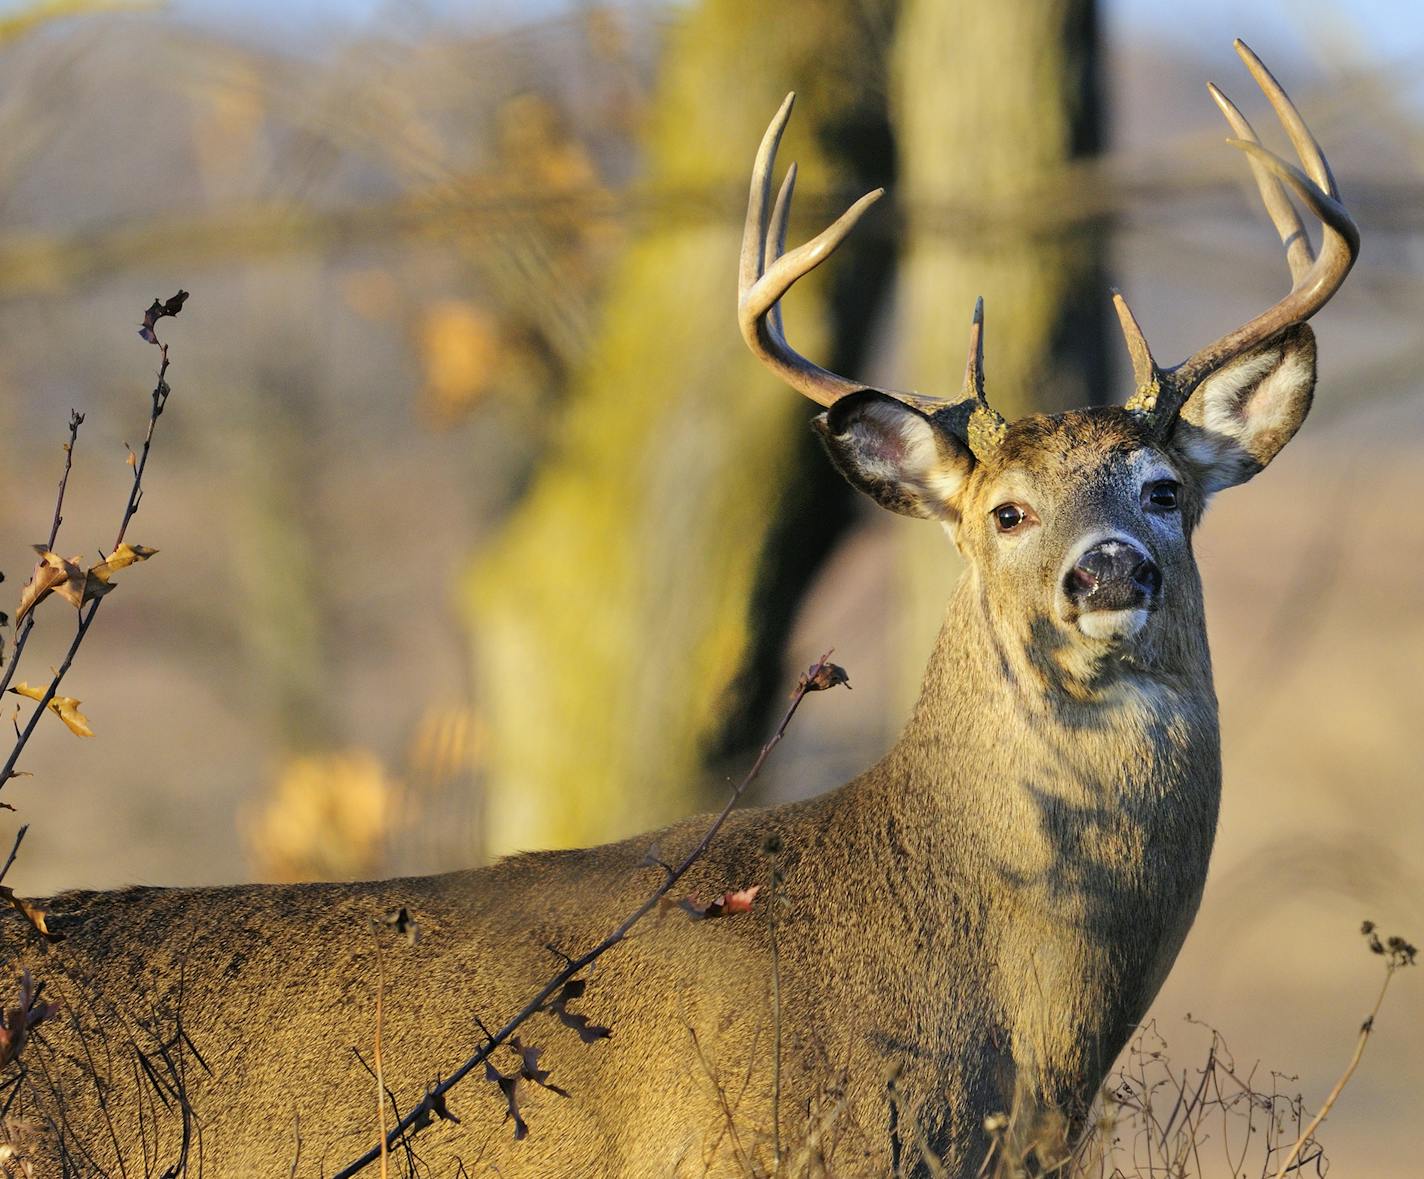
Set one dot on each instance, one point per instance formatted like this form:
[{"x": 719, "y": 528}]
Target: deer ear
[
  {"x": 896, "y": 454},
  {"x": 1237, "y": 420}
]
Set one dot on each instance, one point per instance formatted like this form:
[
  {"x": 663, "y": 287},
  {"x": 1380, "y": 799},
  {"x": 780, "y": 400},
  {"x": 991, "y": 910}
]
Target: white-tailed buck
[{"x": 972, "y": 926}]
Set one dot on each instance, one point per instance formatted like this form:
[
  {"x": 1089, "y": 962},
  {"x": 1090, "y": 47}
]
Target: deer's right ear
[{"x": 896, "y": 455}]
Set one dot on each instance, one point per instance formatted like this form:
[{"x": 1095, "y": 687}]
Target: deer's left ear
[{"x": 1237, "y": 419}]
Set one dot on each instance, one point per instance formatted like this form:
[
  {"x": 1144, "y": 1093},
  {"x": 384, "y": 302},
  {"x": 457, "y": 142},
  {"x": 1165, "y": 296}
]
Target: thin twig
[
  {"x": 161, "y": 392},
  {"x": 76, "y": 420},
  {"x": 821, "y": 675},
  {"x": 19, "y": 836},
  {"x": 297, "y": 1158},
  {"x": 160, "y": 401},
  {"x": 1365, "y": 1029},
  {"x": 729, "y": 1120},
  {"x": 376, "y": 1056}
]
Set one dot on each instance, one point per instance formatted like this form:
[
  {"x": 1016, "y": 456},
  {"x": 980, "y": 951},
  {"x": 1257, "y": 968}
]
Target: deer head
[{"x": 1082, "y": 518}]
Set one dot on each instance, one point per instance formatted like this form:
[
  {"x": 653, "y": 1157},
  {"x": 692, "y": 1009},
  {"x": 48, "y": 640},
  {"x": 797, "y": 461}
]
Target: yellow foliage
[
  {"x": 325, "y": 818},
  {"x": 64, "y": 707},
  {"x": 459, "y": 345}
]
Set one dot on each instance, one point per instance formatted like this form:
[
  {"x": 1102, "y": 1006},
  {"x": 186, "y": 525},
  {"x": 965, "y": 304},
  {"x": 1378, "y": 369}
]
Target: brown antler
[
  {"x": 766, "y": 274},
  {"x": 1162, "y": 392}
]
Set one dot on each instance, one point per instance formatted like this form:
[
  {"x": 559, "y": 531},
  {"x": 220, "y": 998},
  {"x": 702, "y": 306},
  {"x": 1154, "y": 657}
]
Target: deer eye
[
  {"x": 1162, "y": 495},
  {"x": 1008, "y": 517}
]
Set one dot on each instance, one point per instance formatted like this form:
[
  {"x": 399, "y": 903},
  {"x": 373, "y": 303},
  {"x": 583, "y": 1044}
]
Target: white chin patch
[{"x": 1115, "y": 625}]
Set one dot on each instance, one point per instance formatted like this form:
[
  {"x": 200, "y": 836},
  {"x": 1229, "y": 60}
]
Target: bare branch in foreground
[
  {"x": 821, "y": 676},
  {"x": 1398, "y": 953},
  {"x": 161, "y": 393},
  {"x": 27, "y": 624}
]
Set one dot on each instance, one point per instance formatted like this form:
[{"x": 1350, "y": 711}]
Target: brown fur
[{"x": 984, "y": 914}]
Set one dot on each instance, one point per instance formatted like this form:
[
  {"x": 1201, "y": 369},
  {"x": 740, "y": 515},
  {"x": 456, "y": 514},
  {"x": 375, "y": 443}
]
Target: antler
[
  {"x": 766, "y": 273},
  {"x": 1162, "y": 392}
]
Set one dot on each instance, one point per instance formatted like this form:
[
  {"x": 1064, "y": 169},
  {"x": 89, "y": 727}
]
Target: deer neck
[{"x": 1012, "y": 708}]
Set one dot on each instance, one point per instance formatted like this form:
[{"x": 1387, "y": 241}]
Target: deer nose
[{"x": 1113, "y": 575}]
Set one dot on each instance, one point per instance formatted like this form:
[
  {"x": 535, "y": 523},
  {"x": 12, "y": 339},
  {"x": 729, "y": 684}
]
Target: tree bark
[
  {"x": 991, "y": 102},
  {"x": 633, "y": 610}
]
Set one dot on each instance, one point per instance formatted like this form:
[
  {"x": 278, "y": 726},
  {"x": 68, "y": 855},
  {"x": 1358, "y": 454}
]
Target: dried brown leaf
[
  {"x": 529, "y": 1066},
  {"x": 403, "y": 923},
  {"x": 726, "y": 905},
  {"x": 53, "y": 574},
  {"x": 17, "y": 1020},
  {"x": 121, "y": 558},
  {"x": 823, "y": 675},
  {"x": 64, "y": 707},
  {"x": 161, "y": 310},
  {"x": 31, "y": 912},
  {"x": 508, "y": 1086},
  {"x": 433, "y": 1103},
  {"x": 587, "y": 1032}
]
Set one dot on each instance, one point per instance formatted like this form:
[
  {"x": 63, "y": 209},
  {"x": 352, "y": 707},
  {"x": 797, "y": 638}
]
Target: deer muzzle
[{"x": 1112, "y": 586}]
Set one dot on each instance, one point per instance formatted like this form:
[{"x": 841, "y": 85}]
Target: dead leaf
[
  {"x": 403, "y": 923},
  {"x": 94, "y": 586},
  {"x": 53, "y": 574},
  {"x": 821, "y": 676},
  {"x": 19, "y": 1019},
  {"x": 529, "y": 1070},
  {"x": 508, "y": 1086},
  {"x": 32, "y": 913},
  {"x": 96, "y": 580},
  {"x": 728, "y": 904},
  {"x": 64, "y": 707},
  {"x": 587, "y": 1032},
  {"x": 529, "y": 1066},
  {"x": 433, "y": 1103},
  {"x": 121, "y": 558},
  {"x": 161, "y": 311}
]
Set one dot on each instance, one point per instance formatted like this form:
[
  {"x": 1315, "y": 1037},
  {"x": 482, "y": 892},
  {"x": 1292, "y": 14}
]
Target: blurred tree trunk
[
  {"x": 990, "y": 103},
  {"x": 632, "y": 613}
]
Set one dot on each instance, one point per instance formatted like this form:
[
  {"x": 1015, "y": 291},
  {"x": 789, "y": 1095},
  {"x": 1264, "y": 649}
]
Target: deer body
[
  {"x": 976, "y": 912},
  {"x": 970, "y": 928}
]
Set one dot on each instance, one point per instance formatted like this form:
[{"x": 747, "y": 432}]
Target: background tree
[
  {"x": 628, "y": 616},
  {"x": 684, "y": 507},
  {"x": 992, "y": 104}
]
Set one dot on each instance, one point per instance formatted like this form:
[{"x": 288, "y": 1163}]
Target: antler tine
[
  {"x": 1299, "y": 252},
  {"x": 1314, "y": 282},
  {"x": 1145, "y": 372},
  {"x": 766, "y": 273},
  {"x": 754, "y": 229},
  {"x": 776, "y": 244},
  {"x": 974, "y": 366},
  {"x": 984, "y": 428},
  {"x": 1305, "y": 144}
]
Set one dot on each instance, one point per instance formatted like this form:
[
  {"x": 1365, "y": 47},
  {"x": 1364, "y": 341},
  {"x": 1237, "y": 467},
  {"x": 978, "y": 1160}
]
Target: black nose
[{"x": 1113, "y": 575}]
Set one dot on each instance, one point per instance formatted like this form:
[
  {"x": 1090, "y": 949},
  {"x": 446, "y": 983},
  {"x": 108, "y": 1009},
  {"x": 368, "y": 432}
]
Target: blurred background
[{"x": 480, "y": 529}]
